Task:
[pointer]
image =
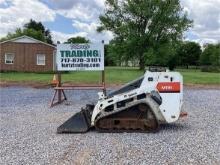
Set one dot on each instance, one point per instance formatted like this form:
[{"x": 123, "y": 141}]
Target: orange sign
[{"x": 168, "y": 87}]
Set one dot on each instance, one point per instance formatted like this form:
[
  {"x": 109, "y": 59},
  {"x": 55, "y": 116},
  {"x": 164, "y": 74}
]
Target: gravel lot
[{"x": 28, "y": 132}]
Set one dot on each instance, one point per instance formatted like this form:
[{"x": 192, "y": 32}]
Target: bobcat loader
[{"x": 141, "y": 105}]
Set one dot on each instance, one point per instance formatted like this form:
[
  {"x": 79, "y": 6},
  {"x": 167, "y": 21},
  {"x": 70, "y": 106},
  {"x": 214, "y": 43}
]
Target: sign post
[{"x": 79, "y": 57}]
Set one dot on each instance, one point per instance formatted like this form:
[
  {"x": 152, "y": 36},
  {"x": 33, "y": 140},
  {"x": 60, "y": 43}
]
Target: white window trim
[
  {"x": 7, "y": 60},
  {"x": 44, "y": 59}
]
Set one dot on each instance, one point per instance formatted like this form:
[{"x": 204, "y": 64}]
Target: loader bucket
[{"x": 78, "y": 123}]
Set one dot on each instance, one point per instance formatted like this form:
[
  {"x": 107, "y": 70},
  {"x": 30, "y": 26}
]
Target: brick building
[{"x": 26, "y": 54}]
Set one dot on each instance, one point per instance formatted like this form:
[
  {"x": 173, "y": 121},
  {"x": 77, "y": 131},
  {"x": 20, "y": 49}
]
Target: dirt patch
[
  {"x": 81, "y": 157},
  {"x": 24, "y": 84}
]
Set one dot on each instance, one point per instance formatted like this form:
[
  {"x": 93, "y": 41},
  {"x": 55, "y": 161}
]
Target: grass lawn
[
  {"x": 114, "y": 75},
  {"x": 193, "y": 76}
]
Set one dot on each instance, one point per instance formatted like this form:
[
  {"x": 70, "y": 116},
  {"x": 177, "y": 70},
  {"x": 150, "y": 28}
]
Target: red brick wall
[{"x": 25, "y": 58}]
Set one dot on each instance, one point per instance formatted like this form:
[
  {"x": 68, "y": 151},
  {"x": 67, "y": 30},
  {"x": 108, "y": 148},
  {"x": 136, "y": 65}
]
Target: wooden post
[
  {"x": 103, "y": 72},
  {"x": 103, "y": 82},
  {"x": 59, "y": 85}
]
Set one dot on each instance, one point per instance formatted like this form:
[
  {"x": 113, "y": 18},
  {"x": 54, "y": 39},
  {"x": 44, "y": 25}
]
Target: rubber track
[{"x": 103, "y": 114}]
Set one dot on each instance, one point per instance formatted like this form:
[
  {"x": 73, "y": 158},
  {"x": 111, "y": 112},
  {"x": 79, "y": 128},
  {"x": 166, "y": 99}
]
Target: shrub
[{"x": 210, "y": 68}]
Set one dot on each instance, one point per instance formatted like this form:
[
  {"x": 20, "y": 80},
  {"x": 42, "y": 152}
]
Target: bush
[
  {"x": 215, "y": 69},
  {"x": 211, "y": 55}
]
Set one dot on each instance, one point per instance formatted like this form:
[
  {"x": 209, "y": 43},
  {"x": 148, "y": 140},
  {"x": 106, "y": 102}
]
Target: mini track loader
[{"x": 141, "y": 105}]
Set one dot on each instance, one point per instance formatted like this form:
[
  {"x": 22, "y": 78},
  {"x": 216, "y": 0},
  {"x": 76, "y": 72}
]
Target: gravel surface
[{"x": 28, "y": 132}]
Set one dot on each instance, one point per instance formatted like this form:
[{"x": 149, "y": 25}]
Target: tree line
[
  {"x": 185, "y": 54},
  {"x": 146, "y": 32}
]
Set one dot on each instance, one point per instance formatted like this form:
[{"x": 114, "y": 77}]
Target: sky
[{"x": 71, "y": 18}]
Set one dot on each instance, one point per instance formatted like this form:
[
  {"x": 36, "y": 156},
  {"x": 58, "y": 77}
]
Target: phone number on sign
[{"x": 75, "y": 60}]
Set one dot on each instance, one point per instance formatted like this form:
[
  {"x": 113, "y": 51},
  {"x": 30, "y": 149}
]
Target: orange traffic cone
[{"x": 55, "y": 81}]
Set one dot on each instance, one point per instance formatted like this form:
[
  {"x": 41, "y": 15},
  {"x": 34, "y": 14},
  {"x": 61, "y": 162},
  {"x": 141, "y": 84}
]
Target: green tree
[
  {"x": 117, "y": 52},
  {"x": 142, "y": 25},
  {"x": 189, "y": 53},
  {"x": 109, "y": 59},
  {"x": 164, "y": 55},
  {"x": 211, "y": 55},
  {"x": 33, "y": 29},
  {"x": 76, "y": 40},
  {"x": 32, "y": 24}
]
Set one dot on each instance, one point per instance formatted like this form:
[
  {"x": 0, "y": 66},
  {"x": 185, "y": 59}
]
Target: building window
[
  {"x": 40, "y": 59},
  {"x": 9, "y": 58}
]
